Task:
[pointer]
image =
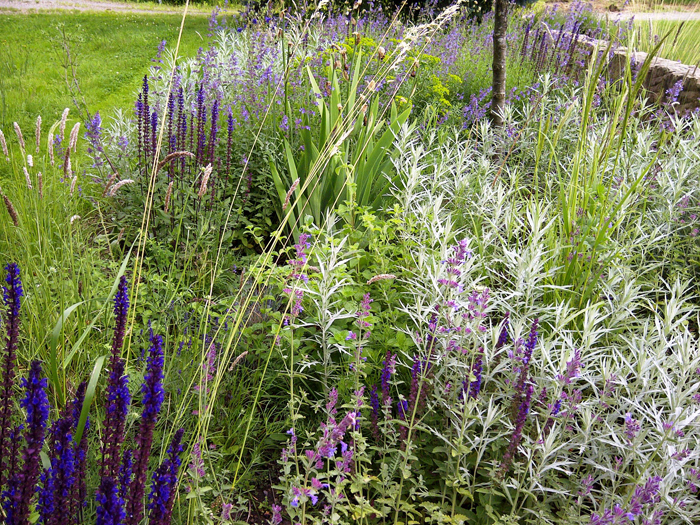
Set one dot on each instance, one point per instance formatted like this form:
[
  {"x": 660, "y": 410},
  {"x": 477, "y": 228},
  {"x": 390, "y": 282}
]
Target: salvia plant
[{"x": 45, "y": 465}]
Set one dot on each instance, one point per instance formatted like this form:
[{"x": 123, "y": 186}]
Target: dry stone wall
[{"x": 663, "y": 74}]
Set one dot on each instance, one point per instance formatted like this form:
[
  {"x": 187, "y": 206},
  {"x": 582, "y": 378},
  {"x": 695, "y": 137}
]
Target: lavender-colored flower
[
  {"x": 12, "y": 294},
  {"x": 573, "y": 368},
  {"x": 632, "y": 427},
  {"x": 162, "y": 496},
  {"x": 276, "y": 515},
  {"x": 152, "y": 390},
  {"x": 363, "y": 313},
  {"x": 642, "y": 503},
  {"x": 18, "y": 503}
]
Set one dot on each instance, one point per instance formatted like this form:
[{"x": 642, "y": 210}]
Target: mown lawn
[{"x": 113, "y": 50}]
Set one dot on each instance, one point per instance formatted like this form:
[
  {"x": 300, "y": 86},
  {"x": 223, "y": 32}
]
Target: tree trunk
[{"x": 500, "y": 26}]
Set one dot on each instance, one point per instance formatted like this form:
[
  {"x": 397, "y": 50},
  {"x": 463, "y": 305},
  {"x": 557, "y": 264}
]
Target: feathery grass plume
[
  {"x": 381, "y": 277},
  {"x": 162, "y": 496},
  {"x": 173, "y": 156},
  {"x": 67, "y": 169},
  {"x": 20, "y": 138},
  {"x": 113, "y": 191},
  {"x": 37, "y": 132},
  {"x": 73, "y": 144},
  {"x": 205, "y": 181},
  {"x": 11, "y": 210},
  {"x": 3, "y": 145},
  {"x": 73, "y": 182},
  {"x": 168, "y": 196},
  {"x": 30, "y": 161},
  {"x": 40, "y": 184},
  {"x": 50, "y": 144},
  {"x": 152, "y": 390},
  {"x": 62, "y": 124},
  {"x": 12, "y": 295},
  {"x": 22, "y": 486},
  {"x": 238, "y": 359},
  {"x": 294, "y": 186},
  {"x": 27, "y": 178},
  {"x": 109, "y": 183},
  {"x": 79, "y": 487}
]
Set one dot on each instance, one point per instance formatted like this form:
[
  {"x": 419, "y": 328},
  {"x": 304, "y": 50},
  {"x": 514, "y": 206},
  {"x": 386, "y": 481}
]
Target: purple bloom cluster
[
  {"x": 58, "y": 492},
  {"x": 12, "y": 295},
  {"x": 642, "y": 503},
  {"x": 22, "y": 485}
]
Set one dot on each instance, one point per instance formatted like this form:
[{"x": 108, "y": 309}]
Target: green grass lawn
[{"x": 113, "y": 52}]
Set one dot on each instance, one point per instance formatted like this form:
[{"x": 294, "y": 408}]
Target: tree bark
[{"x": 500, "y": 27}]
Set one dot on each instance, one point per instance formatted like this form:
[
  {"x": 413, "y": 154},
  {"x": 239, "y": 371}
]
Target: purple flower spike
[
  {"x": 387, "y": 371},
  {"x": 60, "y": 477},
  {"x": 18, "y": 502},
  {"x": 121, "y": 308},
  {"x": 376, "y": 410},
  {"x": 152, "y": 390},
  {"x": 503, "y": 337},
  {"x": 79, "y": 488},
  {"x": 162, "y": 493},
  {"x": 110, "y": 507},
  {"x": 517, "y": 435},
  {"x": 12, "y": 294}
]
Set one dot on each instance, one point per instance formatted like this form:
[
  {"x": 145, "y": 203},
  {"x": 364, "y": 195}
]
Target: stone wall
[{"x": 663, "y": 74}]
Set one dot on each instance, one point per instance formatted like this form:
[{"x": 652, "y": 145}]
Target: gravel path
[{"x": 87, "y": 5}]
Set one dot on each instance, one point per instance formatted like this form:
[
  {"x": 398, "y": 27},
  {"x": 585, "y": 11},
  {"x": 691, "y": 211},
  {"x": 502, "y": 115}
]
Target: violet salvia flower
[
  {"x": 473, "y": 387},
  {"x": 121, "y": 307},
  {"x": 118, "y": 396},
  {"x": 162, "y": 496},
  {"x": 126, "y": 472},
  {"x": 79, "y": 488},
  {"x": 517, "y": 435},
  {"x": 110, "y": 506},
  {"x": 18, "y": 504},
  {"x": 503, "y": 337},
  {"x": 60, "y": 477},
  {"x": 388, "y": 370},
  {"x": 376, "y": 409},
  {"x": 152, "y": 390},
  {"x": 12, "y": 294},
  {"x": 118, "y": 400}
]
